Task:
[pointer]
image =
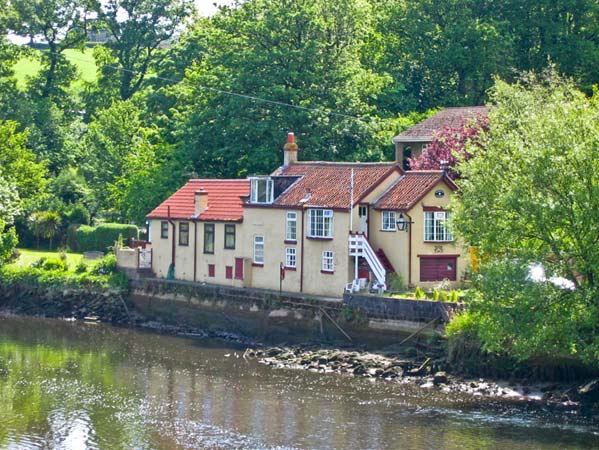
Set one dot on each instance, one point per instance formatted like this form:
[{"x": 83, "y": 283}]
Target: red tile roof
[
  {"x": 224, "y": 201},
  {"x": 410, "y": 188},
  {"x": 448, "y": 117},
  {"x": 329, "y": 184}
]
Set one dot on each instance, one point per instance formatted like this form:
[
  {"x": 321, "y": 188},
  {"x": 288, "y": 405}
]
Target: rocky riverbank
[
  {"x": 428, "y": 374},
  {"x": 185, "y": 331},
  {"x": 108, "y": 306}
]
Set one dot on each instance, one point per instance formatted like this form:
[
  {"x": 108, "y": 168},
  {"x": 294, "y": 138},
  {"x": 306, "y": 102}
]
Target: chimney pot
[{"x": 290, "y": 150}]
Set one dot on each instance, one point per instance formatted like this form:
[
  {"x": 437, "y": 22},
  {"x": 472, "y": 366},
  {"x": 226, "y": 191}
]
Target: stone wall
[
  {"x": 401, "y": 309},
  {"x": 272, "y": 317}
]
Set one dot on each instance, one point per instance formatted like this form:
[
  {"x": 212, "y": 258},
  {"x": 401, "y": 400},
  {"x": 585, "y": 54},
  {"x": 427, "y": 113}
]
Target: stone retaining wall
[{"x": 374, "y": 306}]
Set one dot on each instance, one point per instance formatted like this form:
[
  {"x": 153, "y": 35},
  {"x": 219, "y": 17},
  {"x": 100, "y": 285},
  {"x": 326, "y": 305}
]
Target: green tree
[
  {"x": 439, "y": 52},
  {"x": 114, "y": 140},
  {"x": 19, "y": 164},
  {"x": 45, "y": 225},
  {"x": 139, "y": 30},
  {"x": 530, "y": 195},
  {"x": 303, "y": 53},
  {"x": 62, "y": 24},
  {"x": 9, "y": 208}
]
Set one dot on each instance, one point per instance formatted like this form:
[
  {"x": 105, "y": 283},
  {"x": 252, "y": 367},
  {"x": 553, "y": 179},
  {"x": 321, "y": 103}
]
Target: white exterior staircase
[{"x": 359, "y": 246}]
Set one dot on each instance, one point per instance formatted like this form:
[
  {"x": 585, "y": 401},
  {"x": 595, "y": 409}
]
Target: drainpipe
[
  {"x": 302, "y": 257},
  {"x": 195, "y": 249},
  {"x": 409, "y": 247},
  {"x": 174, "y": 231}
]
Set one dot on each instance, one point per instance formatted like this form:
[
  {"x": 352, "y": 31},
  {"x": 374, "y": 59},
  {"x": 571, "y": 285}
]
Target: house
[
  {"x": 411, "y": 142},
  {"x": 310, "y": 226},
  {"x": 194, "y": 234}
]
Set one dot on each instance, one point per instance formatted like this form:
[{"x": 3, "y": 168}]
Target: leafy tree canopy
[{"x": 530, "y": 195}]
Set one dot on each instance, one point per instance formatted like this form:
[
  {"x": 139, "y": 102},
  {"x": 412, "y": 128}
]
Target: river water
[{"x": 79, "y": 386}]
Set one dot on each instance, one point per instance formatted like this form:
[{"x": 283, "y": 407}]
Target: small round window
[{"x": 439, "y": 193}]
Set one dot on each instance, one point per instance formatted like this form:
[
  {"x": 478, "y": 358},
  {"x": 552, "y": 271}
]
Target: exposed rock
[
  {"x": 440, "y": 378},
  {"x": 589, "y": 392}
]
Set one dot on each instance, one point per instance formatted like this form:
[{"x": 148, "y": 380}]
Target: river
[{"x": 80, "y": 386}]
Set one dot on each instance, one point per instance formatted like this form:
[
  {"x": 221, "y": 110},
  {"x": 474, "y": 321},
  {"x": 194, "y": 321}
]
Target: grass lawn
[
  {"x": 84, "y": 61},
  {"x": 27, "y": 256}
]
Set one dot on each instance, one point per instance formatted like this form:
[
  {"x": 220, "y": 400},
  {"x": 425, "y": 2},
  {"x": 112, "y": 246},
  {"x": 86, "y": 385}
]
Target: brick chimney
[
  {"x": 200, "y": 203},
  {"x": 290, "y": 150}
]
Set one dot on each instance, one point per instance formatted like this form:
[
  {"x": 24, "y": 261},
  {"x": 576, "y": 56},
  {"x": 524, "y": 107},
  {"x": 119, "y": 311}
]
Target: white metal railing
[
  {"x": 359, "y": 246},
  {"x": 145, "y": 258}
]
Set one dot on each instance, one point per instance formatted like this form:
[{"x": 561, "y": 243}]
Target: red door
[
  {"x": 239, "y": 268},
  {"x": 437, "y": 268}
]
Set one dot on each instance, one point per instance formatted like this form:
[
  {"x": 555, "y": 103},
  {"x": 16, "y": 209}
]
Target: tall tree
[
  {"x": 530, "y": 195},
  {"x": 440, "y": 52},
  {"x": 62, "y": 25},
  {"x": 19, "y": 164},
  {"x": 302, "y": 53},
  {"x": 138, "y": 29}
]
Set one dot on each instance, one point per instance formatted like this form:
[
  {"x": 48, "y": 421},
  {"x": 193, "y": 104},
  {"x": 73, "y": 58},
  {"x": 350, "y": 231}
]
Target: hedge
[{"x": 101, "y": 237}]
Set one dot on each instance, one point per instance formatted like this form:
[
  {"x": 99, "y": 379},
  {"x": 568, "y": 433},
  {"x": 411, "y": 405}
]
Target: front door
[{"x": 363, "y": 219}]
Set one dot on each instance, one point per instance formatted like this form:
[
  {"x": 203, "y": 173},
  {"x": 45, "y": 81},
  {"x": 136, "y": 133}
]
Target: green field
[
  {"x": 84, "y": 61},
  {"x": 28, "y": 256}
]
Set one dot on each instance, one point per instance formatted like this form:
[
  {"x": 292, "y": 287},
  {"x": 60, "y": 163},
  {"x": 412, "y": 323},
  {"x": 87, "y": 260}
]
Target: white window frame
[
  {"x": 291, "y": 226},
  {"x": 291, "y": 257},
  {"x": 435, "y": 226},
  {"x": 259, "y": 249},
  {"x": 388, "y": 221},
  {"x": 328, "y": 261},
  {"x": 269, "y": 190},
  {"x": 320, "y": 223}
]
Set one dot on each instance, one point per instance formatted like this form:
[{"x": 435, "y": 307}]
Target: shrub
[
  {"x": 464, "y": 324},
  {"x": 103, "y": 236},
  {"x": 77, "y": 214},
  {"x": 54, "y": 264},
  {"x": 81, "y": 267},
  {"x": 105, "y": 266},
  {"x": 396, "y": 282}
]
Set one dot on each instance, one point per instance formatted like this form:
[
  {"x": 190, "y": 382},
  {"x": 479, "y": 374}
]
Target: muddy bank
[{"x": 429, "y": 373}]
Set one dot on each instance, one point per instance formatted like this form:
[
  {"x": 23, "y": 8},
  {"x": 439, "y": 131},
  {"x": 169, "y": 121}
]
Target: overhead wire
[{"x": 231, "y": 93}]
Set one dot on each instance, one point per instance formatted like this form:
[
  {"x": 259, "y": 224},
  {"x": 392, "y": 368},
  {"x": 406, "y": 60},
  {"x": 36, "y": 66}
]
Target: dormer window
[{"x": 261, "y": 190}]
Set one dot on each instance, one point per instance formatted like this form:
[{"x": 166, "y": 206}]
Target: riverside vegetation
[{"x": 49, "y": 287}]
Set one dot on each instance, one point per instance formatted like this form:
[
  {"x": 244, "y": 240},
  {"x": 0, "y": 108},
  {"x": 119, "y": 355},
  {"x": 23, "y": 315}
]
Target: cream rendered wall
[
  {"x": 222, "y": 257},
  {"x": 419, "y": 247},
  {"x": 184, "y": 255},
  {"x": 373, "y": 196},
  {"x": 316, "y": 282},
  {"x": 161, "y": 249},
  {"x": 394, "y": 243},
  {"x": 271, "y": 223}
]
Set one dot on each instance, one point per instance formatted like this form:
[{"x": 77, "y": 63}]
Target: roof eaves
[
  {"x": 400, "y": 138},
  {"x": 387, "y": 191},
  {"x": 395, "y": 168},
  {"x": 410, "y": 205}
]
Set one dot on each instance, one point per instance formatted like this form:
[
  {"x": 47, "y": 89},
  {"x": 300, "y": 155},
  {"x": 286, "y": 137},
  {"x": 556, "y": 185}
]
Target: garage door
[{"x": 438, "y": 268}]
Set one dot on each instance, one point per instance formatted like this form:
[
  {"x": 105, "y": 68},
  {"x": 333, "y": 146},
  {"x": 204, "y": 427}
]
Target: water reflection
[{"x": 76, "y": 386}]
